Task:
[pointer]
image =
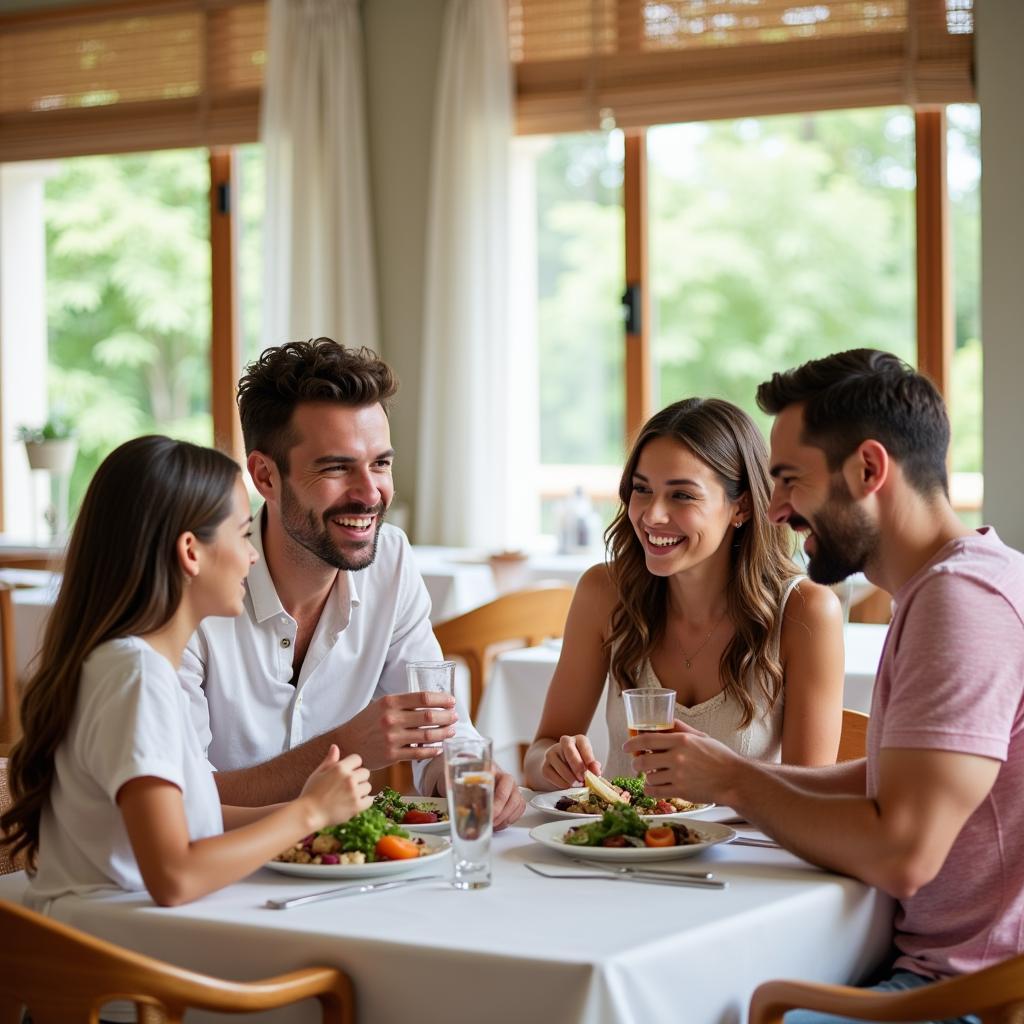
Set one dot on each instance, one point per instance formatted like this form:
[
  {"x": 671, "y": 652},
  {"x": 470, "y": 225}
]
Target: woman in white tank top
[{"x": 699, "y": 595}]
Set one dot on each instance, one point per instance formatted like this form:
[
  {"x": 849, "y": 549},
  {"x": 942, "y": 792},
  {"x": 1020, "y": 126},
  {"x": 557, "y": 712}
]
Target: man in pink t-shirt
[{"x": 933, "y": 815}]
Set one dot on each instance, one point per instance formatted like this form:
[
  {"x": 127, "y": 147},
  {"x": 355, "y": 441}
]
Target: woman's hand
[
  {"x": 685, "y": 763},
  {"x": 338, "y": 789},
  {"x": 567, "y": 760}
]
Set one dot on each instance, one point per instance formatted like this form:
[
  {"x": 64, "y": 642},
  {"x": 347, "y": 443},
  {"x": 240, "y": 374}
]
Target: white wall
[{"x": 999, "y": 39}]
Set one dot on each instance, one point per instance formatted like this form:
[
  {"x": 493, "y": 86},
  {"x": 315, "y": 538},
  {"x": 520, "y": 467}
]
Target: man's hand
[
  {"x": 386, "y": 729},
  {"x": 509, "y": 804},
  {"x": 685, "y": 763}
]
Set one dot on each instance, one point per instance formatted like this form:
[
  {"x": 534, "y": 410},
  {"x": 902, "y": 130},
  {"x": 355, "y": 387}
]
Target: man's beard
[
  {"x": 845, "y": 537},
  {"x": 313, "y": 533}
]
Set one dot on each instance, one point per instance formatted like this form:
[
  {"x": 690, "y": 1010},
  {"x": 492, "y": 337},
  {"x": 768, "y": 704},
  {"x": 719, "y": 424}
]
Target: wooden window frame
[{"x": 935, "y": 325}]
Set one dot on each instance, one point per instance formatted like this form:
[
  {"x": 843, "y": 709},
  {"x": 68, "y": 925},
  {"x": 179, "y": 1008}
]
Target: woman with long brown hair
[
  {"x": 111, "y": 788},
  {"x": 699, "y": 595}
]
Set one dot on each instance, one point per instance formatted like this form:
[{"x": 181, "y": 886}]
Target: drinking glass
[
  {"x": 469, "y": 779},
  {"x": 649, "y": 710},
  {"x": 430, "y": 677}
]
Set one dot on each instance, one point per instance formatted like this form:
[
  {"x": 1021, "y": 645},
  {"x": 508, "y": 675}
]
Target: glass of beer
[{"x": 649, "y": 710}]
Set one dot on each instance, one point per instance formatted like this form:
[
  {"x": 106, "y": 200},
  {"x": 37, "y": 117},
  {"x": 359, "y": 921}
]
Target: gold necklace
[{"x": 688, "y": 658}]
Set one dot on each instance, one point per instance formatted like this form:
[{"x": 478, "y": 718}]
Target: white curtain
[
  {"x": 468, "y": 458},
  {"x": 318, "y": 250}
]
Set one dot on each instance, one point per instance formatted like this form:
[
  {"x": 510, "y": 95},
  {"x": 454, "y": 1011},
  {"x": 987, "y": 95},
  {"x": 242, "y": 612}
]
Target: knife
[
  {"x": 348, "y": 890},
  {"x": 641, "y": 879},
  {"x": 624, "y": 870}
]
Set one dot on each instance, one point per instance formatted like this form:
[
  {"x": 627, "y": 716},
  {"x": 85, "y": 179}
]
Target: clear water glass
[
  {"x": 430, "y": 677},
  {"x": 469, "y": 781}
]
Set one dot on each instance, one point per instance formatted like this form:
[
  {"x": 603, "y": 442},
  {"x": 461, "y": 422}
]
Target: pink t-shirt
[{"x": 952, "y": 678}]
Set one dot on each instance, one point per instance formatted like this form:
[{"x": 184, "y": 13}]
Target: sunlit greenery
[{"x": 128, "y": 297}]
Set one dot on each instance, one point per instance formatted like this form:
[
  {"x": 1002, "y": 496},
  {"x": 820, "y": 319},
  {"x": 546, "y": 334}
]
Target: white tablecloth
[
  {"x": 528, "y": 948},
  {"x": 514, "y": 696}
]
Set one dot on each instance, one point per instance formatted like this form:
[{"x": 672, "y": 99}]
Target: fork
[
  {"x": 623, "y": 869},
  {"x": 696, "y": 883}
]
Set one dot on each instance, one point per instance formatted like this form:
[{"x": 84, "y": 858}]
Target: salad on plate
[
  {"x": 600, "y": 794},
  {"x": 367, "y": 838}
]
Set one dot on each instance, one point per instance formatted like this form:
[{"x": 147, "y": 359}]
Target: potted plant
[{"x": 53, "y": 446}]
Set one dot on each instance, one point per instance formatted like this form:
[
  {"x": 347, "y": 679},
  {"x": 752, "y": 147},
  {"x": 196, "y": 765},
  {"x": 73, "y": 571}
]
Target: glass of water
[
  {"x": 469, "y": 778},
  {"x": 430, "y": 677}
]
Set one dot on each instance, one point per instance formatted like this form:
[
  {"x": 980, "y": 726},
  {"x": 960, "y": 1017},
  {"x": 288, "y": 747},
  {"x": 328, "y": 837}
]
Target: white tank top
[{"x": 719, "y": 717}]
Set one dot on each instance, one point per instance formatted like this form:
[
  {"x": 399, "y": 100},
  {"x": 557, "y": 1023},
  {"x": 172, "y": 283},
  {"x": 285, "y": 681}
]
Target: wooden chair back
[
  {"x": 10, "y": 723},
  {"x": 875, "y": 606},
  {"x": 853, "y": 736},
  {"x": 996, "y": 995},
  {"x": 8, "y": 864},
  {"x": 529, "y": 615},
  {"x": 61, "y": 974}
]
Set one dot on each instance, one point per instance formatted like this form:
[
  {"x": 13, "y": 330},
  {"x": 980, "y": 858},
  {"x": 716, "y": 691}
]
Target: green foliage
[
  {"x": 772, "y": 241},
  {"x": 128, "y": 294},
  {"x": 56, "y": 428}
]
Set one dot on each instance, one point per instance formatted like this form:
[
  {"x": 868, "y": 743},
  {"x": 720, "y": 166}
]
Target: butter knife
[
  {"x": 640, "y": 879},
  {"x": 348, "y": 890},
  {"x": 623, "y": 869}
]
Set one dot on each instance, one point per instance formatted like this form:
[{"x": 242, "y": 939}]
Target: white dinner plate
[
  {"x": 436, "y": 848},
  {"x": 432, "y": 803},
  {"x": 545, "y": 803},
  {"x": 551, "y": 834}
]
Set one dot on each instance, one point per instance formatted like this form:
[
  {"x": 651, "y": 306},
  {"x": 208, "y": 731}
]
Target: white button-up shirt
[{"x": 238, "y": 671}]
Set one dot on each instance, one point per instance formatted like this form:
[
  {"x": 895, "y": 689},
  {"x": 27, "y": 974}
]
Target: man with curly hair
[{"x": 335, "y": 608}]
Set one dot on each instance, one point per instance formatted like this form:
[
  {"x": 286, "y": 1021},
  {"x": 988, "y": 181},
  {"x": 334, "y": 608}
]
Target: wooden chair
[
  {"x": 10, "y": 726},
  {"x": 61, "y": 974},
  {"x": 853, "y": 736},
  {"x": 8, "y": 864},
  {"x": 529, "y": 615},
  {"x": 995, "y": 994},
  {"x": 875, "y": 606}
]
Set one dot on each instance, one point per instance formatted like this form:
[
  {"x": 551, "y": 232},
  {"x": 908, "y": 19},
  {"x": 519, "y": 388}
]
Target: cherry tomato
[
  {"x": 419, "y": 817},
  {"x": 659, "y": 835},
  {"x": 615, "y": 841},
  {"x": 396, "y": 848}
]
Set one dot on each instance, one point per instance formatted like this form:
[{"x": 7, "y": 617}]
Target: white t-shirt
[
  {"x": 131, "y": 720},
  {"x": 238, "y": 672}
]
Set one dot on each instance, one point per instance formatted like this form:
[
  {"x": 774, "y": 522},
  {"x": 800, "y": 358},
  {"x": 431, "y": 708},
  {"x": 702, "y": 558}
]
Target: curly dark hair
[
  {"x": 318, "y": 370},
  {"x": 864, "y": 394}
]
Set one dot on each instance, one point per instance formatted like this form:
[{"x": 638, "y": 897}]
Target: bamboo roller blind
[
  {"x": 638, "y": 62},
  {"x": 150, "y": 74}
]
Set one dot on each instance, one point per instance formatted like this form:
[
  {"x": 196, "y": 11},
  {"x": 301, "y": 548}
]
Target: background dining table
[
  {"x": 527, "y": 948},
  {"x": 518, "y": 683}
]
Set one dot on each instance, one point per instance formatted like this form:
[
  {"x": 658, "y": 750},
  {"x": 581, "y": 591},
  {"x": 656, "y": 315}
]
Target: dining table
[
  {"x": 578, "y": 951},
  {"x": 518, "y": 681}
]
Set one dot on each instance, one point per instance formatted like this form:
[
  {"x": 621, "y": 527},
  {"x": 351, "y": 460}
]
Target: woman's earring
[{"x": 738, "y": 523}]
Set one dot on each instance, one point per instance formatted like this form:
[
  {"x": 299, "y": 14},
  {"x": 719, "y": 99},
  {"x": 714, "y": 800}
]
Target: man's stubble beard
[
  {"x": 845, "y": 538},
  {"x": 312, "y": 533}
]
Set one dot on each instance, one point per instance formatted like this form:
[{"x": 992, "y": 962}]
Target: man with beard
[
  {"x": 334, "y": 608},
  {"x": 933, "y": 815}
]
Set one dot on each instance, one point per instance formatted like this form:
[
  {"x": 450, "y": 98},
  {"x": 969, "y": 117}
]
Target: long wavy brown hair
[
  {"x": 728, "y": 441},
  {"x": 121, "y": 578}
]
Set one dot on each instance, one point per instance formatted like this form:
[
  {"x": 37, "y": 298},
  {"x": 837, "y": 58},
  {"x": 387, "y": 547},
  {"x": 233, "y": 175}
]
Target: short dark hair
[
  {"x": 318, "y": 370},
  {"x": 852, "y": 396}
]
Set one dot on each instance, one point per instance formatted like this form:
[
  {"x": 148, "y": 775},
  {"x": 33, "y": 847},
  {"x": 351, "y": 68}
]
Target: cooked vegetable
[
  {"x": 417, "y": 817},
  {"x": 603, "y": 790},
  {"x": 634, "y": 786},
  {"x": 396, "y": 848},
  {"x": 390, "y": 803},
  {"x": 363, "y": 832},
  {"x": 659, "y": 835}
]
